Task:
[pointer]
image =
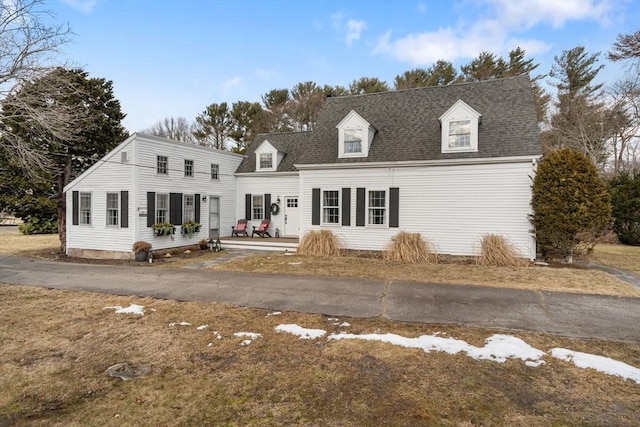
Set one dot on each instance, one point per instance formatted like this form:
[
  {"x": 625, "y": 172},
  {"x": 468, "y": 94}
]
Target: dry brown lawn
[
  {"x": 621, "y": 256},
  {"x": 539, "y": 278},
  {"x": 56, "y": 346},
  {"x": 14, "y": 243}
]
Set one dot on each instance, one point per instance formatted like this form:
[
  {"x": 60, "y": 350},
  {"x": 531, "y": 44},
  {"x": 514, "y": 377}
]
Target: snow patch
[
  {"x": 599, "y": 363},
  {"x": 180, "y": 324},
  {"x": 201, "y": 327},
  {"x": 252, "y": 336},
  {"x": 303, "y": 333},
  {"x": 275, "y": 313},
  {"x": 132, "y": 309}
]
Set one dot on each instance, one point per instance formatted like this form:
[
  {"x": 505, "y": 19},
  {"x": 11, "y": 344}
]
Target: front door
[
  {"x": 291, "y": 225},
  {"x": 214, "y": 217}
]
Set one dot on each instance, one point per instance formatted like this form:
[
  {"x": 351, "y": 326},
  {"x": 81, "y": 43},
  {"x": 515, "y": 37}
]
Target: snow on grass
[
  {"x": 303, "y": 333},
  {"x": 180, "y": 324},
  {"x": 275, "y": 313},
  {"x": 132, "y": 309},
  {"x": 201, "y": 327},
  {"x": 252, "y": 336},
  {"x": 599, "y": 363}
]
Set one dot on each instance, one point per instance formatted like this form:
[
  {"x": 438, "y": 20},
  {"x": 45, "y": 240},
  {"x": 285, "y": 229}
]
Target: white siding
[
  {"x": 138, "y": 176},
  {"x": 451, "y": 206},
  {"x": 277, "y": 186}
]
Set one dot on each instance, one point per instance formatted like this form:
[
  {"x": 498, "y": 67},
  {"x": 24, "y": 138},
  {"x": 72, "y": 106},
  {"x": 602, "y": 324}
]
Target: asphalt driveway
[{"x": 572, "y": 315}]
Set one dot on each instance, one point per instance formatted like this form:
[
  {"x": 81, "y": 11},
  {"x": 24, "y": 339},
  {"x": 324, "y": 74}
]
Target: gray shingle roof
[
  {"x": 292, "y": 144},
  {"x": 408, "y": 128}
]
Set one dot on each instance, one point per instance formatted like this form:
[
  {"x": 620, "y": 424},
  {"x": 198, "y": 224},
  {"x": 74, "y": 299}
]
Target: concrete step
[{"x": 259, "y": 244}]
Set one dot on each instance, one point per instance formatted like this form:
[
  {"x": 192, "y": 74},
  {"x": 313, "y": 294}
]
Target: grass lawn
[
  {"x": 56, "y": 346},
  {"x": 621, "y": 256}
]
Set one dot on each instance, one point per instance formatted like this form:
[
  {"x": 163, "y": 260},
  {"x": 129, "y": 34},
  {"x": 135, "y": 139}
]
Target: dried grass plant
[
  {"x": 319, "y": 243},
  {"x": 410, "y": 248},
  {"x": 497, "y": 251}
]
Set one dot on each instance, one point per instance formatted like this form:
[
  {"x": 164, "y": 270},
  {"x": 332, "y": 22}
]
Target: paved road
[{"x": 573, "y": 315}]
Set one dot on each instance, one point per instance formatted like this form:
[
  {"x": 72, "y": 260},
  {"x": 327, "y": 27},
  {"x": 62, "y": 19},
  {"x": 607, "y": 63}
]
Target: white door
[
  {"x": 291, "y": 225},
  {"x": 214, "y": 217}
]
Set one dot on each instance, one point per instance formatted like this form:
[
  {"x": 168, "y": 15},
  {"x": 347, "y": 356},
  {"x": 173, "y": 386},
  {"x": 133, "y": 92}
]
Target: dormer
[
  {"x": 268, "y": 157},
  {"x": 459, "y": 126},
  {"x": 354, "y": 136}
]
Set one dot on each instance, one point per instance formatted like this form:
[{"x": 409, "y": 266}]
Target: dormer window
[
  {"x": 353, "y": 141},
  {"x": 460, "y": 128},
  {"x": 266, "y": 160},
  {"x": 267, "y": 157},
  {"x": 355, "y": 135}
]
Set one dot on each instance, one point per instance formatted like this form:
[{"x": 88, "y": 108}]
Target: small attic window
[
  {"x": 460, "y": 128},
  {"x": 355, "y": 135},
  {"x": 124, "y": 157},
  {"x": 267, "y": 157}
]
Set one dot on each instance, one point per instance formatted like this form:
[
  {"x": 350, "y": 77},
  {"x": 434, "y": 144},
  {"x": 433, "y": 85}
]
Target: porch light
[{"x": 204, "y": 198}]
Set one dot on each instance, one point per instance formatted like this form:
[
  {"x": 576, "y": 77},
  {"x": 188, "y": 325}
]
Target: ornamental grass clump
[
  {"x": 410, "y": 248},
  {"x": 319, "y": 243},
  {"x": 499, "y": 252}
]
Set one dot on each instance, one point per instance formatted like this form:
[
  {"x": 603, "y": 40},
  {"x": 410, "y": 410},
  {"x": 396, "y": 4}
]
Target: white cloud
[
  {"x": 84, "y": 6},
  {"x": 230, "y": 85},
  {"x": 496, "y": 32},
  {"x": 354, "y": 30}
]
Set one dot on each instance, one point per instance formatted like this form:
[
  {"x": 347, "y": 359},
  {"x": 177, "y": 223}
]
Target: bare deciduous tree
[{"x": 176, "y": 128}]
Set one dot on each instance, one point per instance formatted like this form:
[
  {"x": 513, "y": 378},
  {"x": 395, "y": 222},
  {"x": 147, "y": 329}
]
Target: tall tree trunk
[{"x": 63, "y": 179}]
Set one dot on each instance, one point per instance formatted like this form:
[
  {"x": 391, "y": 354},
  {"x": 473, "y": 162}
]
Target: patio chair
[
  {"x": 240, "y": 228},
  {"x": 263, "y": 229}
]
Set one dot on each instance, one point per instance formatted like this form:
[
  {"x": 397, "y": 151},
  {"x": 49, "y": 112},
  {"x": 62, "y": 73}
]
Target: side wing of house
[
  {"x": 452, "y": 206},
  {"x": 100, "y": 214}
]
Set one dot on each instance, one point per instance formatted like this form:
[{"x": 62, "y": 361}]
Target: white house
[
  {"x": 452, "y": 163},
  {"x": 147, "y": 180}
]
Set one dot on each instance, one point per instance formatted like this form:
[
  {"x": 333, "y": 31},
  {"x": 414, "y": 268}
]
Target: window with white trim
[
  {"x": 377, "y": 207},
  {"x": 215, "y": 171},
  {"x": 162, "y": 165},
  {"x": 188, "y": 168},
  {"x": 331, "y": 207},
  {"x": 85, "y": 208},
  {"x": 460, "y": 134},
  {"x": 266, "y": 160},
  {"x": 113, "y": 209},
  {"x": 189, "y": 208},
  {"x": 353, "y": 141},
  {"x": 257, "y": 206},
  {"x": 162, "y": 208},
  {"x": 460, "y": 128}
]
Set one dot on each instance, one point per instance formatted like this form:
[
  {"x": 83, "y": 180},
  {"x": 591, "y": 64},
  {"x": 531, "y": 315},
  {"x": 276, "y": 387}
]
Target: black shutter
[
  {"x": 75, "y": 213},
  {"x": 361, "y": 206},
  {"x": 346, "y": 207},
  {"x": 394, "y": 207},
  {"x": 267, "y": 206},
  {"x": 175, "y": 208},
  {"x": 247, "y": 207},
  {"x": 196, "y": 206},
  {"x": 124, "y": 209},
  {"x": 315, "y": 206},
  {"x": 151, "y": 208}
]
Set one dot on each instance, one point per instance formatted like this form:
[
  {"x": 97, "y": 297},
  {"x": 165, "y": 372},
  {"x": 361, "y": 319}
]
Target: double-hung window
[
  {"x": 330, "y": 207},
  {"x": 352, "y": 141},
  {"x": 258, "y": 206},
  {"x": 189, "y": 207},
  {"x": 85, "y": 208},
  {"x": 266, "y": 160},
  {"x": 377, "y": 207},
  {"x": 162, "y": 165},
  {"x": 162, "y": 208},
  {"x": 215, "y": 171},
  {"x": 113, "y": 211},
  {"x": 460, "y": 134},
  {"x": 188, "y": 168}
]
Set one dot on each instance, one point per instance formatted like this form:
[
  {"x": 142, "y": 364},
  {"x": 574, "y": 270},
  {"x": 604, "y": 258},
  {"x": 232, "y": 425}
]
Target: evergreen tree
[
  {"x": 213, "y": 126},
  {"x": 569, "y": 201},
  {"x": 625, "y": 202},
  {"x": 247, "y": 120},
  {"x": 367, "y": 85}
]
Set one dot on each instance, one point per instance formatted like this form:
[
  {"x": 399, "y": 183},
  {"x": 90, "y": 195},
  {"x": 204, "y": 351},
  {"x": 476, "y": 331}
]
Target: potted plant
[
  {"x": 203, "y": 244},
  {"x": 141, "y": 250},
  {"x": 163, "y": 229},
  {"x": 190, "y": 227}
]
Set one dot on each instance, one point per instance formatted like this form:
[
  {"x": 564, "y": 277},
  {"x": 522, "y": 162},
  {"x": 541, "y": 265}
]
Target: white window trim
[
  {"x": 253, "y": 207},
  {"x": 460, "y": 111},
  {"x": 322, "y": 207},
  {"x": 80, "y": 210},
  {"x": 217, "y": 168},
  {"x": 166, "y": 166},
  {"x": 117, "y": 209},
  {"x": 168, "y": 209},
  {"x": 184, "y": 208},
  {"x": 193, "y": 167},
  {"x": 386, "y": 208},
  {"x": 267, "y": 148}
]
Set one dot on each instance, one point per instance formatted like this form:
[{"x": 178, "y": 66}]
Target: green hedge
[{"x": 625, "y": 201}]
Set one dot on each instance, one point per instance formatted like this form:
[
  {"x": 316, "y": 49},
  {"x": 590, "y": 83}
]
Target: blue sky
[{"x": 174, "y": 57}]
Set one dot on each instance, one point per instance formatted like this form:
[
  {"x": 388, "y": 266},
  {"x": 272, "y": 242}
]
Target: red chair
[
  {"x": 240, "y": 228},
  {"x": 263, "y": 229}
]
